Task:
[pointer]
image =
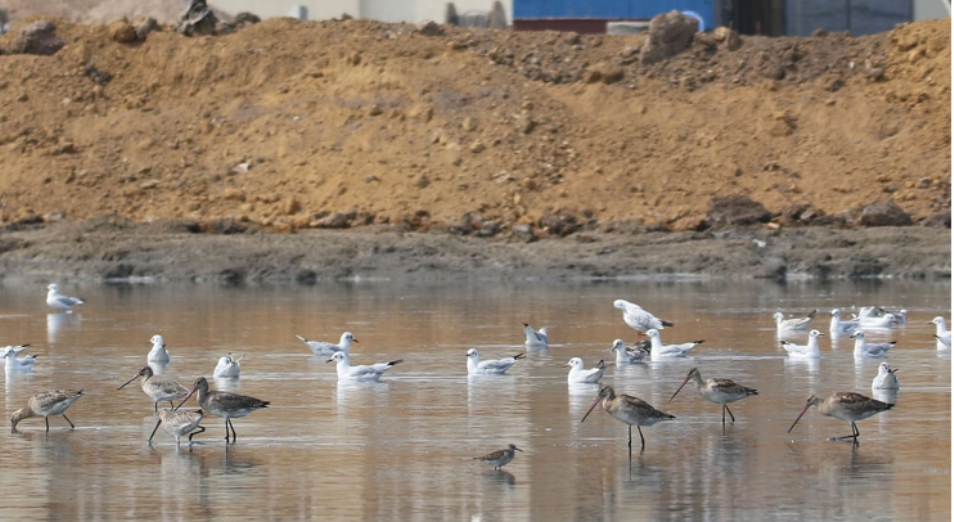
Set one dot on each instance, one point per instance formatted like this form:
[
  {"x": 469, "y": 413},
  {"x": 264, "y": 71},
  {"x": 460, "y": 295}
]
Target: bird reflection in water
[{"x": 59, "y": 324}]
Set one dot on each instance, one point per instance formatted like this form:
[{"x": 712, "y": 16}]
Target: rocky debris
[
  {"x": 669, "y": 34},
  {"x": 97, "y": 75},
  {"x": 198, "y": 19},
  {"x": 884, "y": 214},
  {"x": 736, "y": 210},
  {"x": 559, "y": 224},
  {"x": 429, "y": 28},
  {"x": 122, "y": 31},
  {"x": 37, "y": 38},
  {"x": 145, "y": 26},
  {"x": 603, "y": 72},
  {"x": 938, "y": 220},
  {"x": 245, "y": 19},
  {"x": 727, "y": 37},
  {"x": 336, "y": 220},
  {"x": 804, "y": 215}
]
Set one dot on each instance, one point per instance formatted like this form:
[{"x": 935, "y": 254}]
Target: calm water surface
[{"x": 402, "y": 449}]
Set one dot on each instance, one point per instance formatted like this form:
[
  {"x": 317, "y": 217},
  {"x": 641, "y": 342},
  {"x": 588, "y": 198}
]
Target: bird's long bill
[
  {"x": 154, "y": 430},
  {"x": 184, "y": 400},
  {"x": 680, "y": 388},
  {"x": 799, "y": 417},
  {"x": 597, "y": 401},
  {"x": 127, "y": 382},
  {"x": 518, "y": 449}
]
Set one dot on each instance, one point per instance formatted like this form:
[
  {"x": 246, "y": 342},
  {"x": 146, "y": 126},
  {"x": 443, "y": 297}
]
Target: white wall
[
  {"x": 931, "y": 9},
  {"x": 384, "y": 10},
  {"x": 317, "y": 9}
]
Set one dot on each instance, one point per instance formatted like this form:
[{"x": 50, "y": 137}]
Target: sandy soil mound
[{"x": 293, "y": 124}]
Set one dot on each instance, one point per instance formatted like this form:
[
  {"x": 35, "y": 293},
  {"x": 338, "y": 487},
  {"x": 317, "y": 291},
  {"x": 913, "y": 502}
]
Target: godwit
[
  {"x": 500, "y": 458},
  {"x": 158, "y": 353},
  {"x": 580, "y": 375},
  {"x": 783, "y": 325},
  {"x": 158, "y": 388},
  {"x": 846, "y": 406},
  {"x": 179, "y": 423},
  {"x": 12, "y": 363},
  {"x": 943, "y": 335},
  {"x": 59, "y": 301},
  {"x": 46, "y": 403},
  {"x": 870, "y": 350},
  {"x": 492, "y": 367},
  {"x": 370, "y": 372},
  {"x": 326, "y": 348},
  {"x": 228, "y": 367},
  {"x": 536, "y": 338},
  {"x": 841, "y": 327},
  {"x": 886, "y": 378},
  {"x": 718, "y": 391},
  {"x": 638, "y": 319},
  {"x": 661, "y": 351},
  {"x": 804, "y": 351},
  {"x": 626, "y": 355},
  {"x": 224, "y": 404},
  {"x": 629, "y": 410}
]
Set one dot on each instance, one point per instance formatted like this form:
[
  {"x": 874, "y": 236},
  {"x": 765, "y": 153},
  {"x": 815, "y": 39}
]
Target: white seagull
[
  {"x": 59, "y": 301},
  {"x": 886, "y": 378},
  {"x": 228, "y": 367},
  {"x": 792, "y": 325},
  {"x": 639, "y": 319},
  {"x": 326, "y": 348},
  {"x": 579, "y": 375},
  {"x": 158, "y": 353},
  {"x": 536, "y": 338},
  {"x": 661, "y": 351},
  {"x": 626, "y": 355},
  {"x": 884, "y": 321},
  {"x": 943, "y": 335},
  {"x": 370, "y": 372},
  {"x": 14, "y": 363},
  {"x": 842, "y": 327},
  {"x": 804, "y": 351},
  {"x": 492, "y": 367},
  {"x": 872, "y": 350}
]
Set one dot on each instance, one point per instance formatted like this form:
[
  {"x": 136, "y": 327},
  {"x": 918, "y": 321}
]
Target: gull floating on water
[
  {"x": 580, "y": 375},
  {"x": 884, "y": 321},
  {"x": 492, "y": 367},
  {"x": 158, "y": 353},
  {"x": 326, "y": 348},
  {"x": 228, "y": 367},
  {"x": 804, "y": 351},
  {"x": 886, "y": 378},
  {"x": 17, "y": 364},
  {"x": 638, "y": 319},
  {"x": 370, "y": 372},
  {"x": 59, "y": 301},
  {"x": 794, "y": 324},
  {"x": 665, "y": 351},
  {"x": 536, "y": 338},
  {"x": 842, "y": 327},
  {"x": 625, "y": 355},
  {"x": 942, "y": 334},
  {"x": 870, "y": 350}
]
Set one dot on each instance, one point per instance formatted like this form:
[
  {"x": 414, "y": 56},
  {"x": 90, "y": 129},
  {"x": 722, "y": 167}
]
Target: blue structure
[{"x": 610, "y": 9}]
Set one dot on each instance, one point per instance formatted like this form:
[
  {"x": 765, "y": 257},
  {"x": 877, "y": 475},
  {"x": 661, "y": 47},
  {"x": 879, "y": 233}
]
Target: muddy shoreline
[{"x": 117, "y": 250}]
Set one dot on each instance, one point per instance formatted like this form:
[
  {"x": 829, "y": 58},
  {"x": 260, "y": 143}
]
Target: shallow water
[{"x": 402, "y": 449}]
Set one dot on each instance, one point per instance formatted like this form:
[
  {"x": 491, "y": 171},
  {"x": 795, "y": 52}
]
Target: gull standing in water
[
  {"x": 783, "y": 325},
  {"x": 59, "y": 301},
  {"x": 846, "y": 406},
  {"x": 886, "y": 378},
  {"x": 536, "y": 338},
  {"x": 492, "y": 367},
  {"x": 500, "y": 458},
  {"x": 45, "y": 404},
  {"x": 579, "y": 375},
  {"x": 638, "y": 319},
  {"x": 625, "y": 355},
  {"x": 12, "y": 363},
  {"x": 223, "y": 404},
  {"x": 942, "y": 334},
  {"x": 228, "y": 367},
  {"x": 804, "y": 351},
  {"x": 661, "y": 351},
  {"x": 179, "y": 423},
  {"x": 630, "y": 411},
  {"x": 718, "y": 391},
  {"x": 326, "y": 348},
  {"x": 158, "y": 388},
  {"x": 370, "y": 372},
  {"x": 870, "y": 350},
  {"x": 158, "y": 353},
  {"x": 842, "y": 327}
]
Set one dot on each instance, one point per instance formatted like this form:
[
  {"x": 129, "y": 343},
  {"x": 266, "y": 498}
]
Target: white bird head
[
  {"x": 654, "y": 333},
  {"x": 623, "y": 304},
  {"x": 53, "y": 288},
  {"x": 575, "y": 362},
  {"x": 884, "y": 368},
  {"x": 779, "y": 317},
  {"x": 157, "y": 340},
  {"x": 815, "y": 334},
  {"x": 225, "y": 360},
  {"x": 472, "y": 353},
  {"x": 338, "y": 357},
  {"x": 346, "y": 338},
  {"x": 618, "y": 345},
  {"x": 859, "y": 335},
  {"x": 836, "y": 313},
  {"x": 939, "y": 321},
  {"x": 544, "y": 331}
]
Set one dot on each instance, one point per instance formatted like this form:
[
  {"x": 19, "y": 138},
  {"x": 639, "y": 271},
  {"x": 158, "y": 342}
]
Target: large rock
[
  {"x": 198, "y": 19},
  {"x": 884, "y": 214},
  {"x": 938, "y": 220},
  {"x": 736, "y": 210},
  {"x": 669, "y": 34},
  {"x": 37, "y": 38}
]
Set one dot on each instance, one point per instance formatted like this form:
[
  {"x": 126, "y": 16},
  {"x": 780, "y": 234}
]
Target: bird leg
[
  {"x": 854, "y": 434},
  {"x": 642, "y": 441},
  {"x": 726, "y": 406},
  {"x": 194, "y": 433},
  {"x": 68, "y": 420},
  {"x": 47, "y": 419},
  {"x": 155, "y": 407},
  {"x": 234, "y": 436},
  {"x": 723, "y": 417},
  {"x": 226, "y": 431}
]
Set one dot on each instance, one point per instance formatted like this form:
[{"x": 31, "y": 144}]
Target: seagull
[
  {"x": 661, "y": 351},
  {"x": 842, "y": 327},
  {"x": 228, "y": 367},
  {"x": 804, "y": 351},
  {"x": 59, "y": 301},
  {"x": 873, "y": 350},
  {"x": 500, "y": 458},
  {"x": 627, "y": 355},
  {"x": 158, "y": 353},
  {"x": 943, "y": 335},
  {"x": 536, "y": 338},
  {"x": 371, "y": 372},
  {"x": 792, "y": 325},
  {"x": 14, "y": 363},
  {"x": 326, "y": 348},
  {"x": 639, "y": 319},
  {"x": 492, "y": 367},
  {"x": 886, "y": 378},
  {"x": 578, "y": 374},
  {"x": 900, "y": 316},
  {"x": 884, "y": 321}
]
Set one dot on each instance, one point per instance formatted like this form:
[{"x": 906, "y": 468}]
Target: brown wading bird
[
  {"x": 179, "y": 423},
  {"x": 629, "y": 410},
  {"x": 719, "y": 391},
  {"x": 846, "y": 406},
  {"x": 222, "y": 404},
  {"x": 500, "y": 458},
  {"x": 158, "y": 388},
  {"x": 44, "y": 404}
]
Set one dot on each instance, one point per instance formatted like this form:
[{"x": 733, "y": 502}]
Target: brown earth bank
[{"x": 115, "y": 249}]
